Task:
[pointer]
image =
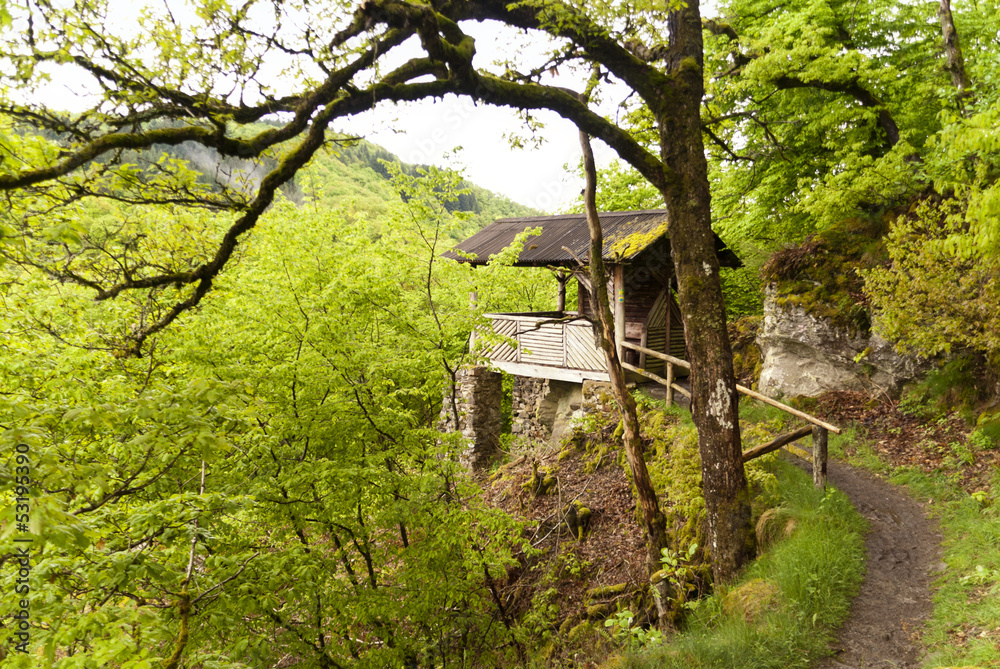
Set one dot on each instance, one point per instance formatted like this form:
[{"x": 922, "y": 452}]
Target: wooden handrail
[
  {"x": 657, "y": 378},
  {"x": 777, "y": 443},
  {"x": 743, "y": 389}
]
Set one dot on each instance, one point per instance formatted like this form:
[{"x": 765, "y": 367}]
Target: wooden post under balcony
[
  {"x": 619, "y": 308},
  {"x": 561, "y": 277}
]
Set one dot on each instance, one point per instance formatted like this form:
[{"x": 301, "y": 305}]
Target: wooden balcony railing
[{"x": 541, "y": 344}]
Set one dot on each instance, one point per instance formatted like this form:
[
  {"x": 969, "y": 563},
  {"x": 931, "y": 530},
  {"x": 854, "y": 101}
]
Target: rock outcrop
[{"x": 806, "y": 355}]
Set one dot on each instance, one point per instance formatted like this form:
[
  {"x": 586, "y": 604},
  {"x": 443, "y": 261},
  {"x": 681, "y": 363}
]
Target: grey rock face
[{"x": 806, "y": 355}]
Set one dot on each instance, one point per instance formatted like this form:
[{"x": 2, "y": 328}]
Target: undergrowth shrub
[{"x": 964, "y": 384}]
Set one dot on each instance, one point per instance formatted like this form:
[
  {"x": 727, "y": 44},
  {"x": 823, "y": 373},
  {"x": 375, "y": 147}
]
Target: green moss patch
[{"x": 821, "y": 274}]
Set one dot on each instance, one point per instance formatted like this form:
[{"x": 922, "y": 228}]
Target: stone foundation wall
[
  {"x": 598, "y": 397},
  {"x": 477, "y": 402},
  {"x": 542, "y": 408}
]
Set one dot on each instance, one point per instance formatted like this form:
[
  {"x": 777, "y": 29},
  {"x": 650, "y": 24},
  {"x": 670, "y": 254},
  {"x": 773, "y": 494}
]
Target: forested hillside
[{"x": 350, "y": 175}]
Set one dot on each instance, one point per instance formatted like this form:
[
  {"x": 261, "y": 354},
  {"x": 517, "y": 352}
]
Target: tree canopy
[{"x": 171, "y": 78}]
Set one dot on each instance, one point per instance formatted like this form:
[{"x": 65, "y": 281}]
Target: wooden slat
[
  {"x": 503, "y": 351},
  {"x": 580, "y": 349}
]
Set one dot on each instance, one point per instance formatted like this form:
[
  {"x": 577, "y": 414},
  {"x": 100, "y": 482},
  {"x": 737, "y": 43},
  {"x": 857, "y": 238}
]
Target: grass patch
[
  {"x": 807, "y": 582},
  {"x": 965, "y": 627}
]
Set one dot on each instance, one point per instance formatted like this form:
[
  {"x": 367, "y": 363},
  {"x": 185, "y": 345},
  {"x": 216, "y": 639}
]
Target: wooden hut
[{"x": 641, "y": 286}]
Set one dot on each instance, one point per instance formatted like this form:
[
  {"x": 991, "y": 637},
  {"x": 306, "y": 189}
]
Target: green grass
[
  {"x": 817, "y": 572},
  {"x": 964, "y": 629}
]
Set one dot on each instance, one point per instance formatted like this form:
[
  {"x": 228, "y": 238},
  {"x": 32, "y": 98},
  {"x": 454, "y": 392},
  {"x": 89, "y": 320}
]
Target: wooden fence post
[
  {"x": 670, "y": 384},
  {"x": 819, "y": 456}
]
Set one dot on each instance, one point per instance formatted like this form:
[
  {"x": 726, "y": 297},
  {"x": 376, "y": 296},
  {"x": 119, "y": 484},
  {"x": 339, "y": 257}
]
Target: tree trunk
[
  {"x": 656, "y": 527},
  {"x": 714, "y": 399},
  {"x": 952, "y": 49}
]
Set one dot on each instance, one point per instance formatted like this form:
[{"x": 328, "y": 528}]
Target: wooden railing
[
  {"x": 547, "y": 345},
  {"x": 818, "y": 429}
]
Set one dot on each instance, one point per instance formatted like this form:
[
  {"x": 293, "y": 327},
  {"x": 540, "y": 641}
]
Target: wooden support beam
[
  {"x": 619, "y": 308},
  {"x": 657, "y": 354},
  {"x": 561, "y": 277},
  {"x": 643, "y": 372},
  {"x": 668, "y": 325},
  {"x": 548, "y": 372},
  {"x": 643, "y": 340},
  {"x": 656, "y": 377},
  {"x": 670, "y": 384},
  {"x": 776, "y": 443},
  {"x": 798, "y": 452},
  {"x": 473, "y": 303}
]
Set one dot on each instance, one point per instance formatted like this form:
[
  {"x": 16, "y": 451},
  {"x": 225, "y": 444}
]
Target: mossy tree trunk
[{"x": 714, "y": 399}]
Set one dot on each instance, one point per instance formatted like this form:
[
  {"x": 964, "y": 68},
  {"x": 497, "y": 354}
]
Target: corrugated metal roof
[{"x": 626, "y": 235}]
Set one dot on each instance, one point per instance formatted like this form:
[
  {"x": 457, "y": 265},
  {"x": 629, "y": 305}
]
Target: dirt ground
[
  {"x": 904, "y": 554},
  {"x": 903, "y": 558}
]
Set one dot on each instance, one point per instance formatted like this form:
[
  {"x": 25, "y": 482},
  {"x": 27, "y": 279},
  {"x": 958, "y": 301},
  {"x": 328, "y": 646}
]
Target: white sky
[
  {"x": 540, "y": 176},
  {"x": 431, "y": 130},
  {"x": 427, "y": 132}
]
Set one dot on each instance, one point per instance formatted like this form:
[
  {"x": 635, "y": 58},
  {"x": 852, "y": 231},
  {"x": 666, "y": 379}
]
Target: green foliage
[
  {"x": 306, "y": 389},
  {"x": 742, "y": 290},
  {"x": 817, "y": 571},
  {"x": 631, "y": 636},
  {"x": 957, "y": 384},
  {"x": 681, "y": 572},
  {"x": 794, "y": 108},
  {"x": 939, "y": 293},
  {"x": 675, "y": 468}
]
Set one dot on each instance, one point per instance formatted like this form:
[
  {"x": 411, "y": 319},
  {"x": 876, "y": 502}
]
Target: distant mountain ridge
[{"x": 348, "y": 175}]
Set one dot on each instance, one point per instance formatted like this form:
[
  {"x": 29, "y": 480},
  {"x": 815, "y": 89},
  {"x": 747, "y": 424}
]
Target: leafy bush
[{"x": 940, "y": 292}]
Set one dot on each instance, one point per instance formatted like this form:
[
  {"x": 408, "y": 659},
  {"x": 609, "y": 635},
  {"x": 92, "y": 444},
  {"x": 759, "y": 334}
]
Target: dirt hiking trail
[{"x": 904, "y": 557}]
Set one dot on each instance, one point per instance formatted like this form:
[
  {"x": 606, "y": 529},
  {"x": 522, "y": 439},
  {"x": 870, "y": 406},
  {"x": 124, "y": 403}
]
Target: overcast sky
[
  {"x": 427, "y": 132},
  {"x": 541, "y": 176},
  {"x": 430, "y": 131}
]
